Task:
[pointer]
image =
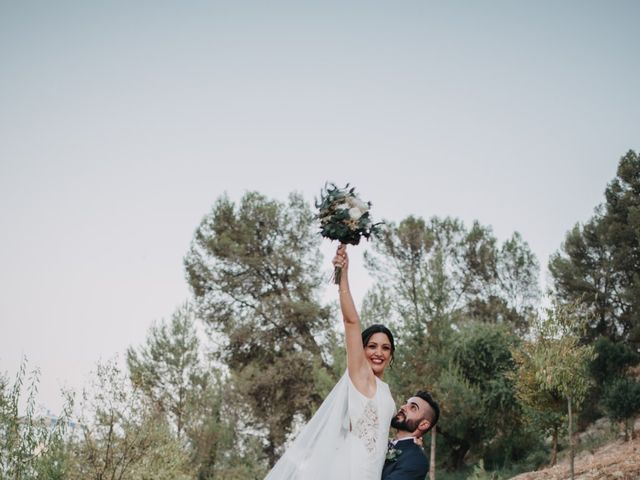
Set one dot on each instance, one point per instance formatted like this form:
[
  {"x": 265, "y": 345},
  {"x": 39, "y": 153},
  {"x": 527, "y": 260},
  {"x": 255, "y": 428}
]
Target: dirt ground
[{"x": 618, "y": 460}]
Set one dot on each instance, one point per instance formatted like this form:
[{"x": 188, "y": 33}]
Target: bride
[{"x": 346, "y": 439}]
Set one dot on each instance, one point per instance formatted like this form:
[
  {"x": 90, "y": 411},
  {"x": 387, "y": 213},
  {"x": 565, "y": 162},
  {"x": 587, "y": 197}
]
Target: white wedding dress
[{"x": 346, "y": 439}]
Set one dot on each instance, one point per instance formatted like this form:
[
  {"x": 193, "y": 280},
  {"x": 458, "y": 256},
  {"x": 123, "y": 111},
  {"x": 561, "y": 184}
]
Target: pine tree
[
  {"x": 599, "y": 264},
  {"x": 254, "y": 270},
  {"x": 168, "y": 368}
]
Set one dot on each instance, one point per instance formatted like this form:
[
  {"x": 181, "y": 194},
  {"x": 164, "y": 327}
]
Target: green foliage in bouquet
[{"x": 343, "y": 216}]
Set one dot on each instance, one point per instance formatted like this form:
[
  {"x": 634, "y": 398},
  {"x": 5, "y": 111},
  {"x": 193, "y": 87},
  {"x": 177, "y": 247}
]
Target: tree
[
  {"x": 206, "y": 427},
  {"x": 254, "y": 270},
  {"x": 543, "y": 408},
  {"x": 433, "y": 278},
  {"x": 476, "y": 391},
  {"x": 170, "y": 371},
  {"x": 622, "y": 402},
  {"x": 438, "y": 271},
  {"x": 30, "y": 447},
  {"x": 614, "y": 388},
  {"x": 168, "y": 368},
  {"x": 122, "y": 435},
  {"x": 553, "y": 368},
  {"x": 599, "y": 263},
  {"x": 611, "y": 361}
]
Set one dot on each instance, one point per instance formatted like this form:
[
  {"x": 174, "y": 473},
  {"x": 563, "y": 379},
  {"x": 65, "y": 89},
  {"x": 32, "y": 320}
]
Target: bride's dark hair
[{"x": 377, "y": 328}]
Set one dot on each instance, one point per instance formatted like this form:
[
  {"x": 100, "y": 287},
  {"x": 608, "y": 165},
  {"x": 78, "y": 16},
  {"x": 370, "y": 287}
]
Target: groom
[{"x": 406, "y": 460}]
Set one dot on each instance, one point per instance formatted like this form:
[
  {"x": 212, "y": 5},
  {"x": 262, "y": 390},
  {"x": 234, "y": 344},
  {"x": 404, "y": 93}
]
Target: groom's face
[{"x": 411, "y": 416}]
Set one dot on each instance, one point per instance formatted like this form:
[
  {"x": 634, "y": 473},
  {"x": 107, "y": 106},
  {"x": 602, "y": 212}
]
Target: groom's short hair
[{"x": 435, "y": 408}]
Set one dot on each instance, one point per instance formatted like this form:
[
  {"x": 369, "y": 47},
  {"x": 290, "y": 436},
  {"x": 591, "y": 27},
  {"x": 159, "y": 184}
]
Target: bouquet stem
[{"x": 337, "y": 273}]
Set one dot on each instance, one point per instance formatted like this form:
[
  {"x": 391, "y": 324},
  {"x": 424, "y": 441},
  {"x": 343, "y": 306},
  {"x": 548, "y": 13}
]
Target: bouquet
[{"x": 344, "y": 217}]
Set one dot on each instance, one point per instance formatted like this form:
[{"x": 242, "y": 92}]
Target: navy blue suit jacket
[{"x": 410, "y": 464}]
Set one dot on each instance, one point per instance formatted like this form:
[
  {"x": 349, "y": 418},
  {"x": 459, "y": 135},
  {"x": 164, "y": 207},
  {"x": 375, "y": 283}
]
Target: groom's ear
[{"x": 424, "y": 425}]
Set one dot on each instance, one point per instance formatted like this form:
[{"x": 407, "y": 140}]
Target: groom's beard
[{"x": 400, "y": 422}]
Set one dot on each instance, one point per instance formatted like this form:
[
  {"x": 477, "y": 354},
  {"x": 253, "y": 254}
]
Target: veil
[{"x": 320, "y": 451}]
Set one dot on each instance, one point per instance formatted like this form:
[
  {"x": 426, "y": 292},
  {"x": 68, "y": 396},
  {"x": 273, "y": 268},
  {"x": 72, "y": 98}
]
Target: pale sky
[{"x": 121, "y": 122}]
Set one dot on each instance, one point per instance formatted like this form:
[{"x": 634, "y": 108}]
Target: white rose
[
  {"x": 343, "y": 206},
  {"x": 355, "y": 213},
  {"x": 355, "y": 202}
]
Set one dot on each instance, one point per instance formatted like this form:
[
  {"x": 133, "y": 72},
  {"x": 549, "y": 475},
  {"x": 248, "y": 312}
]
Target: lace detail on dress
[{"x": 366, "y": 427}]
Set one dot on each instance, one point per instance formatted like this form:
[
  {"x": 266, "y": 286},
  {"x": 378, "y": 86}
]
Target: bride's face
[{"x": 378, "y": 352}]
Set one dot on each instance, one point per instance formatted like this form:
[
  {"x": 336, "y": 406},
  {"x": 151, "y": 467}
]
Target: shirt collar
[{"x": 402, "y": 439}]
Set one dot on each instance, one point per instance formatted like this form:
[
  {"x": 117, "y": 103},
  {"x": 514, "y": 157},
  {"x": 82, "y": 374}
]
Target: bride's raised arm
[{"x": 359, "y": 369}]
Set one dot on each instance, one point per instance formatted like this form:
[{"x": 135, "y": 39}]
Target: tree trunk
[
  {"x": 626, "y": 430},
  {"x": 554, "y": 447},
  {"x": 457, "y": 455},
  {"x": 571, "y": 447},
  {"x": 432, "y": 461}
]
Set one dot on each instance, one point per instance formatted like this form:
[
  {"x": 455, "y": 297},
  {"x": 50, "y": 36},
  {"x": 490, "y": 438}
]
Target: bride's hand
[
  {"x": 418, "y": 441},
  {"x": 341, "y": 259}
]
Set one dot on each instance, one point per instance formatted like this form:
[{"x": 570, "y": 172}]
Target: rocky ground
[{"x": 617, "y": 460}]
